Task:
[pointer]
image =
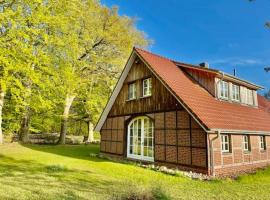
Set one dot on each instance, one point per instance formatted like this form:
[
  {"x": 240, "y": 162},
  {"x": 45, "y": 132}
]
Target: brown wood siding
[
  {"x": 161, "y": 99},
  {"x": 205, "y": 79}
]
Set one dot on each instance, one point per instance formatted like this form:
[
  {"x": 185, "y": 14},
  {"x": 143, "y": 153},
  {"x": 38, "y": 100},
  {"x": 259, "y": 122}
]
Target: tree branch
[{"x": 87, "y": 51}]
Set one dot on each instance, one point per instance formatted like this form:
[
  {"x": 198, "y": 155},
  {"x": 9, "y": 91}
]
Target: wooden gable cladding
[
  {"x": 205, "y": 79},
  {"x": 160, "y": 100}
]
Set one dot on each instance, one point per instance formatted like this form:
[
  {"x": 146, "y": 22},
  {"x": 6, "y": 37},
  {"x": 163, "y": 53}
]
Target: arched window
[{"x": 140, "y": 139}]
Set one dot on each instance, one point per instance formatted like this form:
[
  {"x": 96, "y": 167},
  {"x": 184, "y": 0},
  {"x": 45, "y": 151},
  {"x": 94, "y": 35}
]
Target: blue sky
[{"x": 226, "y": 33}]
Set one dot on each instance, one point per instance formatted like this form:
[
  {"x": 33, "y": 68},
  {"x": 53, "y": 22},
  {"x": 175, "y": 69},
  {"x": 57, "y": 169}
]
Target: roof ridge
[
  {"x": 198, "y": 67},
  {"x": 154, "y": 54}
]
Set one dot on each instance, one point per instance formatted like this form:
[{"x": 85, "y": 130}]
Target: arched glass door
[{"x": 140, "y": 139}]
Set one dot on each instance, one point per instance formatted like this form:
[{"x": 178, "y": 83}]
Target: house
[{"x": 186, "y": 116}]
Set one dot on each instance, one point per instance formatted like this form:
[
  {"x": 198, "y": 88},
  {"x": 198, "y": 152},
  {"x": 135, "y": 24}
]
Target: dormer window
[
  {"x": 250, "y": 97},
  {"x": 131, "y": 91},
  {"x": 147, "y": 87},
  {"x": 235, "y": 92},
  {"x": 223, "y": 89}
]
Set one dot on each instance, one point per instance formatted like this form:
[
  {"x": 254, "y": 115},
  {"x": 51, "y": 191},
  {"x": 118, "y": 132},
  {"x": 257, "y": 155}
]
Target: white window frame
[
  {"x": 262, "y": 143},
  {"x": 144, "y": 134},
  {"x": 132, "y": 90},
  {"x": 246, "y": 143},
  {"x": 223, "y": 89},
  {"x": 225, "y": 143},
  {"x": 235, "y": 92},
  {"x": 147, "y": 87}
]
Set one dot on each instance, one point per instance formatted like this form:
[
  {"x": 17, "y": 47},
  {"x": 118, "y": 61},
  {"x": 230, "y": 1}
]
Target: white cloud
[{"x": 237, "y": 61}]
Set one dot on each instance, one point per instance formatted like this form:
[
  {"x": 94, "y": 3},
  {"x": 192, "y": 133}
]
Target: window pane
[
  {"x": 224, "y": 89},
  {"x": 132, "y": 91},
  {"x": 225, "y": 143},
  {"x": 131, "y": 140},
  {"x": 147, "y": 85},
  {"x": 150, "y": 152}
]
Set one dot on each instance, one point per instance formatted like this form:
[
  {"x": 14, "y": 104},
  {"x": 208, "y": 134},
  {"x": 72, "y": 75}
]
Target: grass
[{"x": 69, "y": 172}]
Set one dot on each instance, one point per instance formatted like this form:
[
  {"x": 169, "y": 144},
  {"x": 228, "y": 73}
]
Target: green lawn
[{"x": 69, "y": 172}]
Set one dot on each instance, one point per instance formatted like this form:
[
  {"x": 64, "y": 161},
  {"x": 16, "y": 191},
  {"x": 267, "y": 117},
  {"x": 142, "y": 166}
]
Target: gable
[
  {"x": 204, "y": 78},
  {"x": 160, "y": 100}
]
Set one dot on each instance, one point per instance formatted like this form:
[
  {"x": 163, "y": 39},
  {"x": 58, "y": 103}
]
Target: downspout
[{"x": 212, "y": 153}]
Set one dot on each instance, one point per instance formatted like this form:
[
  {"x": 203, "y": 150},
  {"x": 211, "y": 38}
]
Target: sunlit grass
[{"x": 69, "y": 172}]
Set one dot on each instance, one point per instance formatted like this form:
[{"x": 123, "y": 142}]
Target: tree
[
  {"x": 55, "y": 53},
  {"x": 25, "y": 29},
  {"x": 99, "y": 44}
]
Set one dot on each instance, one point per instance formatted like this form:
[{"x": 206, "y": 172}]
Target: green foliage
[{"x": 51, "y": 50}]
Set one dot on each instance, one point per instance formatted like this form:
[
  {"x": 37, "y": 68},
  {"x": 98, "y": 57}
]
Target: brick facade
[{"x": 238, "y": 161}]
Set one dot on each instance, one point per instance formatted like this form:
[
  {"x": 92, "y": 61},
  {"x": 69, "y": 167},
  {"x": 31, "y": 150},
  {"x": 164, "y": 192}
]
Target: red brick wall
[
  {"x": 112, "y": 136},
  {"x": 178, "y": 139},
  {"x": 238, "y": 161}
]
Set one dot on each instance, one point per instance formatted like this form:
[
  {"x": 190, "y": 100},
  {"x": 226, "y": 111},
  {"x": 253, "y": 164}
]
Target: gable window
[
  {"x": 235, "y": 93},
  {"x": 246, "y": 143},
  {"x": 131, "y": 91},
  {"x": 225, "y": 143},
  {"x": 223, "y": 89},
  {"x": 262, "y": 143},
  {"x": 147, "y": 87}
]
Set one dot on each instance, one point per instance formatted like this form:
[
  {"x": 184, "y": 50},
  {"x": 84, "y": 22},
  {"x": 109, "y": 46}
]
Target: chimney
[{"x": 204, "y": 64}]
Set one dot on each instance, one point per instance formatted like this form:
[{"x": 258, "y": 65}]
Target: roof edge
[
  {"x": 115, "y": 91},
  {"x": 232, "y": 131}
]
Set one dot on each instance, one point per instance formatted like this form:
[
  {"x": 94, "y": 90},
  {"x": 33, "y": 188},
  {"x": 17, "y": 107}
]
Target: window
[
  {"x": 147, "y": 87},
  {"x": 235, "y": 93},
  {"x": 225, "y": 143},
  {"x": 262, "y": 143},
  {"x": 141, "y": 139},
  {"x": 132, "y": 91},
  {"x": 246, "y": 143},
  {"x": 223, "y": 89},
  {"x": 250, "y": 97}
]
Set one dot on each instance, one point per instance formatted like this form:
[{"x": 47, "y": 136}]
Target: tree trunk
[
  {"x": 2, "y": 96},
  {"x": 90, "y": 132},
  {"x": 24, "y": 130},
  {"x": 63, "y": 132}
]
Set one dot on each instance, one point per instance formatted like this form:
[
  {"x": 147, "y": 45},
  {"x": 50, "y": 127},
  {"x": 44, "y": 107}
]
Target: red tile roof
[
  {"x": 264, "y": 103},
  {"x": 211, "y": 112}
]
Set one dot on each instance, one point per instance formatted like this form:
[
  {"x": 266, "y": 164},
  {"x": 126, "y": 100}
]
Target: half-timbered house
[{"x": 186, "y": 116}]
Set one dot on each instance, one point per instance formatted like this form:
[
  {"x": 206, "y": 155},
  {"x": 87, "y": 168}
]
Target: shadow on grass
[
  {"x": 73, "y": 151},
  {"x": 40, "y": 181}
]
